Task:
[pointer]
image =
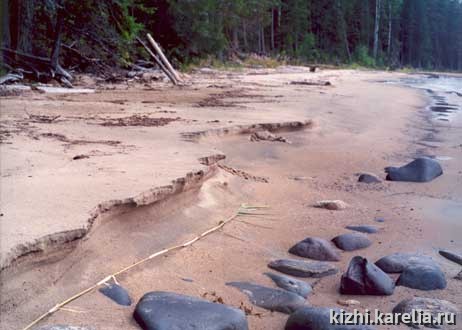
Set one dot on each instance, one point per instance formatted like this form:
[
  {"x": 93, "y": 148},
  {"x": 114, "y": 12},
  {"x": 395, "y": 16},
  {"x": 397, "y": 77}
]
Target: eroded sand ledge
[{"x": 349, "y": 137}]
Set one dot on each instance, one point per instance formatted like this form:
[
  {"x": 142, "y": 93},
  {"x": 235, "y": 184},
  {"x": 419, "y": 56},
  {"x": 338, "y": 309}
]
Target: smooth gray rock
[
  {"x": 422, "y": 277},
  {"x": 457, "y": 258},
  {"x": 315, "y": 248},
  {"x": 160, "y": 310},
  {"x": 397, "y": 262},
  {"x": 432, "y": 306},
  {"x": 271, "y": 299},
  {"x": 368, "y": 229},
  {"x": 352, "y": 241},
  {"x": 368, "y": 178},
  {"x": 291, "y": 284},
  {"x": 365, "y": 278},
  {"x": 116, "y": 293},
  {"x": 419, "y": 170},
  {"x": 63, "y": 327},
  {"x": 317, "y": 318},
  {"x": 302, "y": 268}
]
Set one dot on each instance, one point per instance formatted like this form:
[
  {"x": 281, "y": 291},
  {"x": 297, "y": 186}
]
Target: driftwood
[
  {"x": 162, "y": 57},
  {"x": 11, "y": 77},
  {"x": 159, "y": 62},
  {"x": 39, "y": 68},
  {"x": 311, "y": 83}
]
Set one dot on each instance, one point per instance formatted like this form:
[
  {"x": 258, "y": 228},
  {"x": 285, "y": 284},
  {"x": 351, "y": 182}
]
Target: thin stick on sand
[{"x": 242, "y": 211}]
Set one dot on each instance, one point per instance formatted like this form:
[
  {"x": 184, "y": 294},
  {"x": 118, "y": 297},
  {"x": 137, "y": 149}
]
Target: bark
[
  {"x": 57, "y": 42},
  {"x": 272, "y": 28},
  {"x": 244, "y": 35},
  {"x": 26, "y": 19},
  {"x": 263, "y": 48},
  {"x": 376, "y": 28},
  {"x": 235, "y": 39},
  {"x": 5, "y": 26},
  {"x": 389, "y": 28}
]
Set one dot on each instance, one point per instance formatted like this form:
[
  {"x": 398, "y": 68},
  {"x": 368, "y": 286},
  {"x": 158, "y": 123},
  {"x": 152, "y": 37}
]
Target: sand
[{"x": 132, "y": 140}]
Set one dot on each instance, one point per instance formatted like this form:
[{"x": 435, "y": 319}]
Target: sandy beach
[{"x": 93, "y": 182}]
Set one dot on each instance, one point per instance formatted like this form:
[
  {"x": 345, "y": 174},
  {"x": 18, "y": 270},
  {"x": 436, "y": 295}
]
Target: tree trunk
[
  {"x": 376, "y": 28},
  {"x": 389, "y": 29},
  {"x": 235, "y": 39},
  {"x": 5, "y": 16},
  {"x": 272, "y": 29},
  {"x": 244, "y": 35},
  {"x": 54, "y": 59},
  {"x": 263, "y": 48},
  {"x": 26, "y": 19}
]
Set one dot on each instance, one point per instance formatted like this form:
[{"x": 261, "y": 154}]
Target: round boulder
[
  {"x": 422, "y": 277},
  {"x": 166, "y": 311},
  {"x": 397, "y": 262},
  {"x": 315, "y": 248},
  {"x": 419, "y": 170},
  {"x": 351, "y": 241}
]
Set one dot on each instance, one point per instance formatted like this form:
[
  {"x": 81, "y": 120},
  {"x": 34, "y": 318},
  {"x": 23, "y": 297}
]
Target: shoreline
[{"x": 326, "y": 173}]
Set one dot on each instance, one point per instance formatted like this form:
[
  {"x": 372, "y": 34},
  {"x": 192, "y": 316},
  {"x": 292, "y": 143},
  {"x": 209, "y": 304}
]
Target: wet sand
[{"x": 360, "y": 125}]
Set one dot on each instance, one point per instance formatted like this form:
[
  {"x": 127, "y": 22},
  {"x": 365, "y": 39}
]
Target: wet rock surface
[
  {"x": 299, "y": 287},
  {"x": 457, "y": 258},
  {"x": 167, "y": 311},
  {"x": 317, "y": 318},
  {"x": 432, "y": 306},
  {"x": 364, "y": 229},
  {"x": 368, "y": 178},
  {"x": 352, "y": 241},
  {"x": 268, "y": 298},
  {"x": 302, "y": 268},
  {"x": 422, "y": 277},
  {"x": 315, "y": 248},
  {"x": 333, "y": 205},
  {"x": 117, "y": 294},
  {"x": 365, "y": 278},
  {"x": 419, "y": 170},
  {"x": 397, "y": 262}
]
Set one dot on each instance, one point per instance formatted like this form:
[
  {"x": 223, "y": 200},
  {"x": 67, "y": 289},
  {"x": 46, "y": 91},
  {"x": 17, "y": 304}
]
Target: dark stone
[
  {"x": 315, "y": 248},
  {"x": 368, "y": 178},
  {"x": 397, "y": 262},
  {"x": 117, "y": 294},
  {"x": 379, "y": 219},
  {"x": 302, "y": 268},
  {"x": 271, "y": 299},
  {"x": 291, "y": 284},
  {"x": 419, "y": 170},
  {"x": 422, "y": 277},
  {"x": 352, "y": 241},
  {"x": 364, "y": 229},
  {"x": 429, "y": 305},
  {"x": 171, "y": 311},
  {"x": 365, "y": 278},
  {"x": 317, "y": 318},
  {"x": 457, "y": 258},
  {"x": 458, "y": 276}
]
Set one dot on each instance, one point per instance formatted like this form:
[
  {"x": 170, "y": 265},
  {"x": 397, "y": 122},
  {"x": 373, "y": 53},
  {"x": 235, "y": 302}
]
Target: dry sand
[{"x": 110, "y": 194}]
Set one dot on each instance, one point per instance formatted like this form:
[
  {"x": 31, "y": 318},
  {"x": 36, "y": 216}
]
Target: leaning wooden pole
[
  {"x": 162, "y": 56},
  {"x": 159, "y": 62}
]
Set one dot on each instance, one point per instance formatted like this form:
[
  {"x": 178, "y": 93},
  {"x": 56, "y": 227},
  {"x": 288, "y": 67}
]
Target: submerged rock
[
  {"x": 422, "y": 277},
  {"x": 368, "y": 178},
  {"x": 317, "y": 318},
  {"x": 365, "y": 278},
  {"x": 315, "y": 248},
  {"x": 429, "y": 305},
  {"x": 457, "y": 258},
  {"x": 291, "y": 284},
  {"x": 116, "y": 293},
  {"x": 268, "y": 298},
  {"x": 334, "y": 205},
  {"x": 364, "y": 229},
  {"x": 419, "y": 170},
  {"x": 397, "y": 262},
  {"x": 160, "y": 310},
  {"x": 302, "y": 268},
  {"x": 351, "y": 241}
]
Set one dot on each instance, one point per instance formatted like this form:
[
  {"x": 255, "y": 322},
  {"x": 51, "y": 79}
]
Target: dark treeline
[{"x": 394, "y": 33}]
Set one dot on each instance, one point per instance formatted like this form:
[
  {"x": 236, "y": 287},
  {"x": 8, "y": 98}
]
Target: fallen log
[
  {"x": 162, "y": 56},
  {"x": 159, "y": 62},
  {"x": 36, "y": 67}
]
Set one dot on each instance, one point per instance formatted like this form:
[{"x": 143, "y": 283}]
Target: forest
[{"x": 100, "y": 35}]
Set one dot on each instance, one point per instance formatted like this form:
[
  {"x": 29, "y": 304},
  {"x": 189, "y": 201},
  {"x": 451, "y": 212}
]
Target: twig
[{"x": 152, "y": 256}]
